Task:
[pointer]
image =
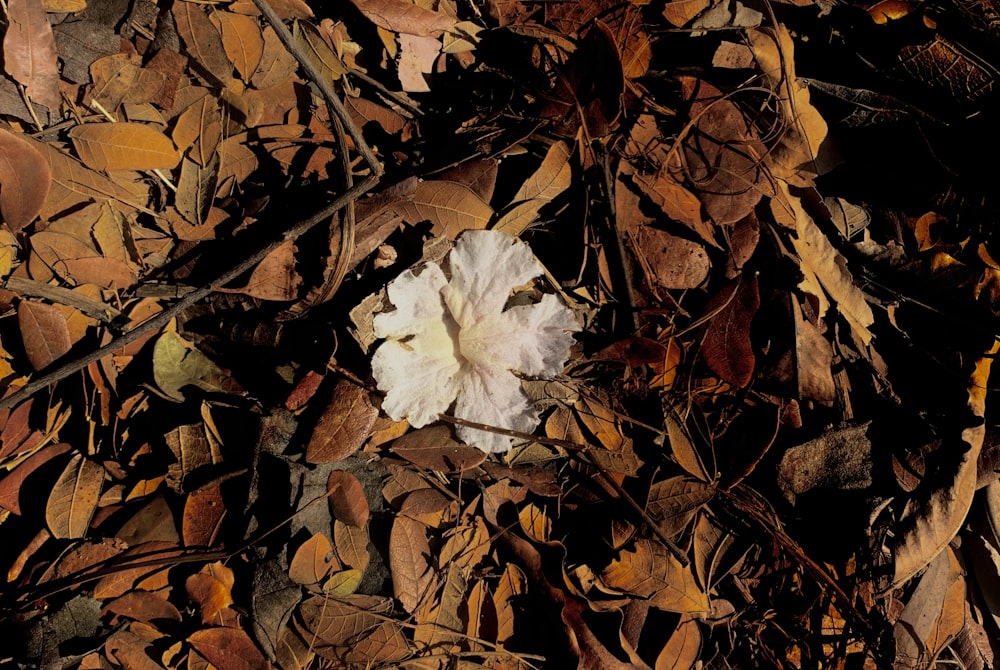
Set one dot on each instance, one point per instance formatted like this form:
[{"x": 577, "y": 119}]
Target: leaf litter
[{"x": 752, "y": 304}]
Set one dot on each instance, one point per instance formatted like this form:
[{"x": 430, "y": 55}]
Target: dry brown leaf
[
  {"x": 400, "y": 16},
  {"x": 551, "y": 178},
  {"x": 440, "y": 621},
  {"x": 120, "y": 78},
  {"x": 933, "y": 616},
  {"x": 674, "y": 262},
  {"x": 511, "y": 586},
  {"x": 177, "y": 363},
  {"x": 409, "y": 560},
  {"x": 434, "y": 448},
  {"x": 683, "y": 647},
  {"x": 316, "y": 49},
  {"x": 76, "y": 261},
  {"x": 275, "y": 277},
  {"x": 677, "y": 203},
  {"x": 74, "y": 184},
  {"x": 211, "y": 591},
  {"x": 727, "y": 348},
  {"x": 680, "y": 12},
  {"x": 44, "y": 332},
  {"x": 129, "y": 650},
  {"x": 203, "y": 41},
  {"x": 123, "y": 146},
  {"x": 933, "y": 522},
  {"x": 276, "y": 63},
  {"x": 204, "y": 511},
  {"x": 352, "y": 544},
  {"x": 143, "y": 606},
  {"x": 242, "y": 41},
  {"x": 352, "y": 629},
  {"x": 74, "y": 498},
  {"x": 191, "y": 449},
  {"x": 344, "y": 425},
  {"x": 25, "y": 178},
  {"x": 793, "y": 157},
  {"x": 313, "y": 561},
  {"x": 648, "y": 570},
  {"x": 229, "y": 648},
  {"x": 347, "y": 498},
  {"x": 12, "y": 484},
  {"x": 450, "y": 207},
  {"x": 674, "y": 502},
  {"x": 824, "y": 269},
  {"x": 430, "y": 507},
  {"x": 29, "y": 52},
  {"x": 199, "y": 128}
]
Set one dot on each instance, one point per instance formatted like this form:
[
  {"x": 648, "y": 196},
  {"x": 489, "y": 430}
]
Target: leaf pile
[{"x": 774, "y": 444}]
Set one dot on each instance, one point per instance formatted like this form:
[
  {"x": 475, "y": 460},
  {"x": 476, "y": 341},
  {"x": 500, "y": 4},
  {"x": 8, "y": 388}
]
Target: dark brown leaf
[
  {"x": 344, "y": 425},
  {"x": 347, "y": 498},
  {"x": 727, "y": 348}
]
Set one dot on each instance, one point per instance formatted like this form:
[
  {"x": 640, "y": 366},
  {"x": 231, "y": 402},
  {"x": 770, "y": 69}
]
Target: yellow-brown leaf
[{"x": 123, "y": 146}]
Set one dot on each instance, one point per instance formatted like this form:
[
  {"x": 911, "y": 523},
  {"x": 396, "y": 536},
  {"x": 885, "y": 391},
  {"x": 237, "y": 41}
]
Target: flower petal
[
  {"x": 486, "y": 265},
  {"x": 419, "y": 378},
  {"x": 495, "y": 398},
  {"x": 530, "y": 339},
  {"x": 418, "y": 303}
]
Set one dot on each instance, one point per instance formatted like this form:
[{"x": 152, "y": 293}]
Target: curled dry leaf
[
  {"x": 935, "y": 520},
  {"x": 344, "y": 425},
  {"x": 44, "y": 332},
  {"x": 25, "y": 178}
]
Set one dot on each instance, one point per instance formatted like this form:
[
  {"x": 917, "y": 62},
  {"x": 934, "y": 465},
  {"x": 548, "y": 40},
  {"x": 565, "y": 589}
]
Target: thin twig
[{"x": 63, "y": 296}]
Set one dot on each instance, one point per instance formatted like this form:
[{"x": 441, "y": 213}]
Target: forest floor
[{"x": 499, "y": 333}]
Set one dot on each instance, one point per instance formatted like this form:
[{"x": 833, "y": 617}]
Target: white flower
[{"x": 453, "y": 341}]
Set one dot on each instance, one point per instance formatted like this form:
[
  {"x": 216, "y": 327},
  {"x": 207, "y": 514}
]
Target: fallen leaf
[
  {"x": 44, "y": 332},
  {"x": 242, "y": 41},
  {"x": 313, "y": 561},
  {"x": 648, "y": 570},
  {"x": 674, "y": 262},
  {"x": 123, "y": 146},
  {"x": 347, "y": 498},
  {"x": 934, "y": 614},
  {"x": 204, "y": 512},
  {"x": 434, "y": 448},
  {"x": 727, "y": 348},
  {"x": 275, "y": 277},
  {"x": 25, "y": 178},
  {"x": 74, "y": 498},
  {"x": 673, "y": 502},
  {"x": 551, "y": 178},
  {"x": 29, "y": 52},
  {"x": 409, "y": 561},
  {"x": 838, "y": 460},
  {"x": 203, "y": 41},
  {"x": 450, "y": 207},
  {"x": 683, "y": 647},
  {"x": 352, "y": 544},
  {"x": 177, "y": 363},
  {"x": 343, "y": 426},
  {"x": 229, "y": 648},
  {"x": 400, "y": 16}
]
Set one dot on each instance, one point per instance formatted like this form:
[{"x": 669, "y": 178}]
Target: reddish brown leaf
[
  {"x": 674, "y": 262},
  {"x": 203, "y": 514},
  {"x": 727, "y": 348},
  {"x": 344, "y": 425},
  {"x": 25, "y": 178},
  {"x": 304, "y": 390},
  {"x": 210, "y": 594},
  {"x": 144, "y": 606},
  {"x": 29, "y": 51},
  {"x": 12, "y": 482},
  {"x": 44, "y": 332},
  {"x": 275, "y": 277},
  {"x": 347, "y": 498},
  {"x": 242, "y": 41},
  {"x": 229, "y": 648},
  {"x": 450, "y": 207},
  {"x": 434, "y": 448}
]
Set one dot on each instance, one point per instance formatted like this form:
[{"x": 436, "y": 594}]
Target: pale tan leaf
[
  {"x": 440, "y": 621},
  {"x": 29, "y": 52},
  {"x": 44, "y": 332},
  {"x": 123, "y": 146},
  {"x": 682, "y": 648},
  {"x": 673, "y": 502},
  {"x": 934, "y": 614},
  {"x": 312, "y": 44},
  {"x": 513, "y": 584},
  {"x": 400, "y": 16},
  {"x": 352, "y": 544},
  {"x": 649, "y": 570},
  {"x": 74, "y": 497},
  {"x": 551, "y": 178}
]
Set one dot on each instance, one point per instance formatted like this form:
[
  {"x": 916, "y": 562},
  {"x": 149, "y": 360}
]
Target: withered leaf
[
  {"x": 444, "y": 616},
  {"x": 74, "y": 497},
  {"x": 434, "y": 448},
  {"x": 177, "y": 363},
  {"x": 123, "y": 146},
  {"x": 352, "y": 544},
  {"x": 347, "y": 498},
  {"x": 144, "y": 606},
  {"x": 400, "y": 16},
  {"x": 25, "y": 178},
  {"x": 44, "y": 332},
  {"x": 727, "y": 348},
  {"x": 202, "y": 40},
  {"x": 228, "y": 648},
  {"x": 29, "y": 52},
  {"x": 513, "y": 583},
  {"x": 204, "y": 511},
  {"x": 673, "y": 502},
  {"x": 450, "y": 207},
  {"x": 211, "y": 591},
  {"x": 275, "y": 277},
  {"x": 683, "y": 647},
  {"x": 344, "y": 425},
  {"x": 674, "y": 262},
  {"x": 130, "y": 650},
  {"x": 11, "y": 485},
  {"x": 648, "y": 570},
  {"x": 350, "y": 629},
  {"x": 308, "y": 39},
  {"x": 934, "y": 614},
  {"x": 313, "y": 561},
  {"x": 550, "y": 179},
  {"x": 242, "y": 41},
  {"x": 409, "y": 561}
]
